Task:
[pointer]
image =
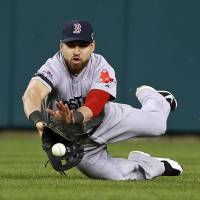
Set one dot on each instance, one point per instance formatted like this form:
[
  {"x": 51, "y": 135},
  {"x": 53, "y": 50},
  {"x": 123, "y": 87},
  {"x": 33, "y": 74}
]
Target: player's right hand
[
  {"x": 63, "y": 113},
  {"x": 40, "y": 127}
]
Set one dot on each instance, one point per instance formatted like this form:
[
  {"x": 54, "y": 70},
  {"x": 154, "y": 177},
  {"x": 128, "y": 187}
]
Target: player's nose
[{"x": 76, "y": 50}]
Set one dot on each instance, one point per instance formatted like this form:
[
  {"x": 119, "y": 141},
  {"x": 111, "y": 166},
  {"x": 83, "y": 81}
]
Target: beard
[{"x": 76, "y": 68}]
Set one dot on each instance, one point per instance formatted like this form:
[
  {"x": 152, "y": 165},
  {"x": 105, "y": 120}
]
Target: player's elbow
[{"x": 25, "y": 97}]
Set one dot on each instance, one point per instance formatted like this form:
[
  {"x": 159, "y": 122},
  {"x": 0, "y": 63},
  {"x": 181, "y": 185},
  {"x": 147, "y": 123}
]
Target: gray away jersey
[
  {"x": 98, "y": 74},
  {"x": 121, "y": 121}
]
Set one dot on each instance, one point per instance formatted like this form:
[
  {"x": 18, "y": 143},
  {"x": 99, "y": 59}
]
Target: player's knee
[{"x": 159, "y": 129}]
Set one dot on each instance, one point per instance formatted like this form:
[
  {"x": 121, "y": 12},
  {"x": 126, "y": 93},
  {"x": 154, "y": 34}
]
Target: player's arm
[
  {"x": 94, "y": 104},
  {"x": 32, "y": 99},
  {"x": 103, "y": 90}
]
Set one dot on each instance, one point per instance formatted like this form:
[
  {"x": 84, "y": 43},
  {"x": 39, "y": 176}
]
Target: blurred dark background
[{"x": 152, "y": 42}]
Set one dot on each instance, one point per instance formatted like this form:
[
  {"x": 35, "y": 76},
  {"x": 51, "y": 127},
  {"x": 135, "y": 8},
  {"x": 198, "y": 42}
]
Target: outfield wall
[{"x": 154, "y": 42}]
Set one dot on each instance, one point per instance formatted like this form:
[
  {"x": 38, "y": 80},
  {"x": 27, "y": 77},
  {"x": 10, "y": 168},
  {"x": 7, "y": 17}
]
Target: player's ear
[
  {"x": 93, "y": 46},
  {"x": 61, "y": 46}
]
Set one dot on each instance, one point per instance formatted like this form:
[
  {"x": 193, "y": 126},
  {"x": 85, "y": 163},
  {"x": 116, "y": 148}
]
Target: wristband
[
  {"x": 35, "y": 117},
  {"x": 78, "y": 117}
]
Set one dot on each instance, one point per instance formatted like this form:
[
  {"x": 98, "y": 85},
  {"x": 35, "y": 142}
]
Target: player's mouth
[{"x": 76, "y": 60}]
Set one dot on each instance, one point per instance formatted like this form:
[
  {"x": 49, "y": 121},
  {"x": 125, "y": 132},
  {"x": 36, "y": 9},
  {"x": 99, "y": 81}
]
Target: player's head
[{"x": 77, "y": 44}]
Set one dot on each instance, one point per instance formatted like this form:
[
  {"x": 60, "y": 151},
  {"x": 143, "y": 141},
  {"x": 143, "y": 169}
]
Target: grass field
[{"x": 23, "y": 176}]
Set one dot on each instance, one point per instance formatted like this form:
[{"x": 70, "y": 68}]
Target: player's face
[{"x": 76, "y": 54}]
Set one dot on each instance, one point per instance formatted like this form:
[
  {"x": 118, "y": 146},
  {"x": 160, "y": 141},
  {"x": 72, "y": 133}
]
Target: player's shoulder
[
  {"x": 99, "y": 61},
  {"x": 56, "y": 59},
  {"x": 98, "y": 57},
  {"x": 54, "y": 63},
  {"x": 52, "y": 71},
  {"x": 52, "y": 67}
]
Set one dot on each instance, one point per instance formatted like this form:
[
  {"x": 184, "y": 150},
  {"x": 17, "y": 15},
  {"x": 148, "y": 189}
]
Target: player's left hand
[
  {"x": 40, "y": 126},
  {"x": 63, "y": 113}
]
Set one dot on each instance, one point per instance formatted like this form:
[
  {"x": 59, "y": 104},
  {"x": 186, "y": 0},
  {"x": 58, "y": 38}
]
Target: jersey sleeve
[
  {"x": 104, "y": 79},
  {"x": 48, "y": 75}
]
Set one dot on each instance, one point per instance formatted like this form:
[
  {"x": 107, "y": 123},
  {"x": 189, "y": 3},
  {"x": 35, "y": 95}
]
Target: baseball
[{"x": 58, "y": 149}]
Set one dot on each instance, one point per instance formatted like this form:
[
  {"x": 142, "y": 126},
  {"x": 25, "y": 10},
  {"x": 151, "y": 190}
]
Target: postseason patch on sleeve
[{"x": 46, "y": 76}]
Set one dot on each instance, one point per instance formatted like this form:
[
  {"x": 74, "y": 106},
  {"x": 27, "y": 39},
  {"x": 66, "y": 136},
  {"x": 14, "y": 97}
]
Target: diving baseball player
[{"x": 76, "y": 85}]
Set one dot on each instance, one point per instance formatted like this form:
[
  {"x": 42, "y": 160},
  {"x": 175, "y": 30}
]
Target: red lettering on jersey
[{"x": 105, "y": 77}]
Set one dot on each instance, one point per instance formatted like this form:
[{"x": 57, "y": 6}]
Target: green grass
[{"x": 23, "y": 176}]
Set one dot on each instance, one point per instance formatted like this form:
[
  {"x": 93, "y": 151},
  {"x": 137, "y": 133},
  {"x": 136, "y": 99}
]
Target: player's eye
[
  {"x": 81, "y": 44},
  {"x": 70, "y": 44},
  {"x": 84, "y": 44}
]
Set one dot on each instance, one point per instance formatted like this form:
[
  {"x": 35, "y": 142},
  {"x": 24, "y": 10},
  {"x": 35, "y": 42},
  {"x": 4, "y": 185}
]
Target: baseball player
[{"x": 76, "y": 85}]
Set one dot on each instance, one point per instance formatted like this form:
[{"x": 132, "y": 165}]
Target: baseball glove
[
  {"x": 67, "y": 134},
  {"x": 73, "y": 136}
]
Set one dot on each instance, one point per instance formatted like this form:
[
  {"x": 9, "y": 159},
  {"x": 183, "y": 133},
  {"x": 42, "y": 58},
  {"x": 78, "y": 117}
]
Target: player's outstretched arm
[
  {"x": 32, "y": 99},
  {"x": 95, "y": 102},
  {"x": 63, "y": 113}
]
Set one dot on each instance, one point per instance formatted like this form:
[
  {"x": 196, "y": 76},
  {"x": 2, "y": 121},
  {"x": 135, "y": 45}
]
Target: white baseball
[{"x": 58, "y": 149}]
